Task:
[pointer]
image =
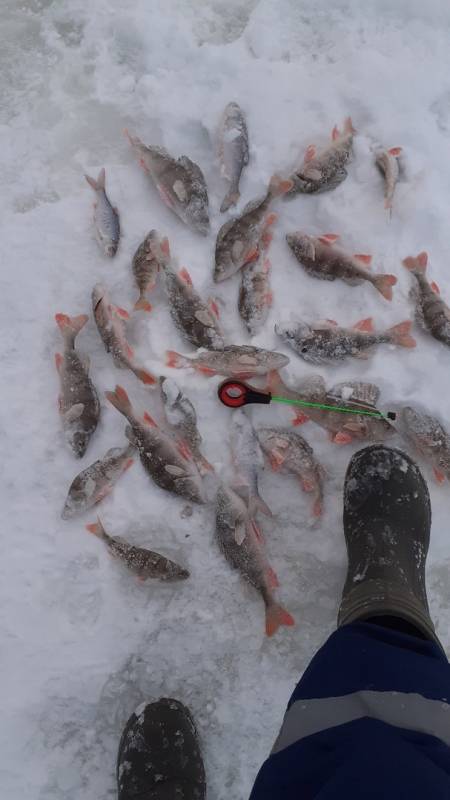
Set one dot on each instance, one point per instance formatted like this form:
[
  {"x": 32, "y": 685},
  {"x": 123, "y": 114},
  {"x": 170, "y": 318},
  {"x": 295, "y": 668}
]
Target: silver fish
[
  {"x": 97, "y": 480},
  {"x": 180, "y": 183},
  {"x": 169, "y": 463},
  {"x": 237, "y": 361},
  {"x": 324, "y": 342},
  {"x": 106, "y": 217},
  {"x": 429, "y": 438},
  {"x": 342, "y": 427},
  {"x": 387, "y": 163},
  {"x": 182, "y": 420},
  {"x": 241, "y": 543},
  {"x": 432, "y": 313},
  {"x": 240, "y": 239},
  {"x": 233, "y": 151},
  {"x": 110, "y": 324},
  {"x": 196, "y": 321},
  {"x": 247, "y": 460},
  {"x": 321, "y": 258},
  {"x": 79, "y": 405},
  {"x": 323, "y": 171},
  {"x": 145, "y": 266},
  {"x": 289, "y": 451},
  {"x": 255, "y": 294},
  {"x": 144, "y": 563}
]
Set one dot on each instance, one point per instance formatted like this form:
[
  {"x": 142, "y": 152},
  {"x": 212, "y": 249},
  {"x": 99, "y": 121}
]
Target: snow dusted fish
[
  {"x": 324, "y": 342},
  {"x": 168, "y": 462},
  {"x": 429, "y": 438},
  {"x": 236, "y": 361},
  {"x": 97, "y": 480},
  {"x": 233, "y": 151},
  {"x": 241, "y": 543},
  {"x": 325, "y": 170},
  {"x": 182, "y": 420},
  {"x": 289, "y": 451},
  {"x": 196, "y": 320},
  {"x": 321, "y": 258},
  {"x": 79, "y": 406},
  {"x": 387, "y": 163},
  {"x": 255, "y": 294},
  {"x": 432, "y": 313},
  {"x": 110, "y": 323},
  {"x": 247, "y": 460},
  {"x": 145, "y": 266},
  {"x": 342, "y": 427},
  {"x": 106, "y": 218},
  {"x": 144, "y": 563},
  {"x": 180, "y": 183},
  {"x": 239, "y": 240}
]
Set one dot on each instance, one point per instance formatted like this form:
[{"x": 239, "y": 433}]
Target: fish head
[
  {"x": 301, "y": 336},
  {"x": 98, "y": 293},
  {"x": 79, "y": 441},
  {"x": 111, "y": 248},
  {"x": 301, "y": 244},
  {"x": 197, "y": 216}
]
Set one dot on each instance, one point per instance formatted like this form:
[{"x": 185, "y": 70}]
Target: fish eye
[{"x": 304, "y": 349}]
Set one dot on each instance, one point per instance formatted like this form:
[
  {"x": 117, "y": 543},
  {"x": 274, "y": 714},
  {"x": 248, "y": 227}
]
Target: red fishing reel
[{"x": 235, "y": 394}]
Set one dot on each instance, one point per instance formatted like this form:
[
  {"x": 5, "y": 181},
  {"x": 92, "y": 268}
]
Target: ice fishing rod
[{"x": 235, "y": 394}]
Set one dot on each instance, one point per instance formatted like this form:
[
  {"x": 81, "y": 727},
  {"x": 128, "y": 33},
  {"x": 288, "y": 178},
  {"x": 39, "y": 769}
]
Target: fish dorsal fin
[
  {"x": 313, "y": 386},
  {"x": 359, "y": 391},
  {"x": 192, "y": 168},
  {"x": 226, "y": 227}
]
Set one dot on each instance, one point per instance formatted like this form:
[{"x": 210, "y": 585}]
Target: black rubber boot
[
  {"x": 159, "y": 755},
  {"x": 387, "y": 520}
]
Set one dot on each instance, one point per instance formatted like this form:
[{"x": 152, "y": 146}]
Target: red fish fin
[
  {"x": 176, "y": 360},
  {"x": 165, "y": 247},
  {"x": 71, "y": 325},
  {"x": 335, "y": 133},
  {"x": 416, "y": 263},
  {"x": 384, "y": 284},
  {"x": 271, "y": 218},
  {"x": 267, "y": 265},
  {"x": 184, "y": 450},
  {"x": 395, "y": 151},
  {"x": 279, "y": 186},
  {"x": 145, "y": 376},
  {"x": 328, "y": 238},
  {"x": 274, "y": 382},
  {"x": 265, "y": 239},
  {"x": 272, "y": 578},
  {"x": 204, "y": 466},
  {"x": 348, "y": 126},
  {"x": 212, "y": 304},
  {"x": 129, "y": 352},
  {"x": 307, "y": 485},
  {"x": 128, "y": 463},
  {"x": 149, "y": 420},
  {"x": 121, "y": 312},
  {"x": 205, "y": 370},
  {"x": 342, "y": 438},
  {"x": 276, "y": 615},
  {"x": 439, "y": 475},
  {"x": 251, "y": 254},
  {"x": 401, "y": 334},
  {"x": 142, "y": 305},
  {"x": 310, "y": 153},
  {"x": 96, "y": 528},
  {"x": 363, "y": 258},
  {"x": 276, "y": 459},
  {"x": 365, "y": 325},
  {"x": 317, "y": 508},
  {"x": 58, "y": 361},
  {"x": 185, "y": 276},
  {"x": 300, "y": 418},
  {"x": 120, "y": 400},
  {"x": 435, "y": 287}
]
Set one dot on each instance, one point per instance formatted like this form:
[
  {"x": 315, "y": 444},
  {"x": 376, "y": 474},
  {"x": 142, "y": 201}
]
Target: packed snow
[{"x": 83, "y": 643}]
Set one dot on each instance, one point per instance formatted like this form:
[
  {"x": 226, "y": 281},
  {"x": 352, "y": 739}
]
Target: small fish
[
  {"x": 289, "y": 451},
  {"x": 255, "y": 294},
  {"x": 106, "y": 217},
  {"x": 240, "y": 239},
  {"x": 182, "y": 420},
  {"x": 342, "y": 427},
  {"x": 180, "y": 183},
  {"x": 195, "y": 320},
  {"x": 429, "y": 438},
  {"x": 322, "y": 259},
  {"x": 79, "y": 405},
  {"x": 432, "y": 313},
  {"x": 241, "y": 543},
  {"x": 97, "y": 481},
  {"x": 387, "y": 163},
  {"x": 233, "y": 151},
  {"x": 144, "y": 563},
  {"x": 236, "y": 361},
  {"x": 110, "y": 323},
  {"x": 145, "y": 268},
  {"x": 324, "y": 342},
  {"x": 247, "y": 460},
  {"x": 169, "y": 463},
  {"x": 323, "y": 171}
]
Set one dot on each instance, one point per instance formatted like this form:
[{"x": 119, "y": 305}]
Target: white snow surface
[{"x": 82, "y": 643}]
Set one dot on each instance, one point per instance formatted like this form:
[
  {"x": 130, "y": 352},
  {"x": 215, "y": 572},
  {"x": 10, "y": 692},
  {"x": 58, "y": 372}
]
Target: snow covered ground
[{"x": 83, "y": 643}]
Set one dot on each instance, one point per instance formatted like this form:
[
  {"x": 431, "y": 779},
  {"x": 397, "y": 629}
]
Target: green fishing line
[{"x": 286, "y": 400}]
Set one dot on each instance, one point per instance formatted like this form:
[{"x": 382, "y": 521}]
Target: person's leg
[
  {"x": 371, "y": 715},
  {"x": 159, "y": 755}
]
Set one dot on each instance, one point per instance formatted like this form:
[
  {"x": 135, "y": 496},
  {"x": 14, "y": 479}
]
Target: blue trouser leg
[{"x": 370, "y": 718}]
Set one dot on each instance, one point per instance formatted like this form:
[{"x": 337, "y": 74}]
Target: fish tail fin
[
  {"x": 175, "y": 360},
  {"x": 348, "y": 126},
  {"x": 96, "y": 528},
  {"x": 416, "y": 264},
  {"x": 384, "y": 284},
  {"x": 317, "y": 507},
  {"x": 401, "y": 334},
  {"x": 121, "y": 401},
  {"x": 276, "y": 616},
  {"x": 70, "y": 326},
  {"x": 230, "y": 199},
  {"x": 98, "y": 184},
  {"x": 256, "y": 504},
  {"x": 278, "y": 185},
  {"x": 142, "y": 304},
  {"x": 204, "y": 466},
  {"x": 132, "y": 138},
  {"x": 145, "y": 376}
]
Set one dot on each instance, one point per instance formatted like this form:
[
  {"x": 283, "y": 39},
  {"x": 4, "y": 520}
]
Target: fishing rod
[{"x": 235, "y": 394}]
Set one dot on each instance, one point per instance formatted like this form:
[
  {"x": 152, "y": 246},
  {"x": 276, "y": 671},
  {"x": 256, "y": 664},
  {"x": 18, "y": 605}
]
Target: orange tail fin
[
  {"x": 145, "y": 377},
  {"x": 71, "y": 326},
  {"x": 401, "y": 334},
  {"x": 279, "y": 186},
  {"x": 276, "y": 616},
  {"x": 121, "y": 401},
  {"x": 142, "y": 305},
  {"x": 96, "y": 528},
  {"x": 416, "y": 263},
  {"x": 384, "y": 284},
  {"x": 176, "y": 360}
]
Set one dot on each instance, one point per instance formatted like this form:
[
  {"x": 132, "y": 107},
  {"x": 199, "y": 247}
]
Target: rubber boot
[
  {"x": 387, "y": 520},
  {"x": 159, "y": 755}
]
